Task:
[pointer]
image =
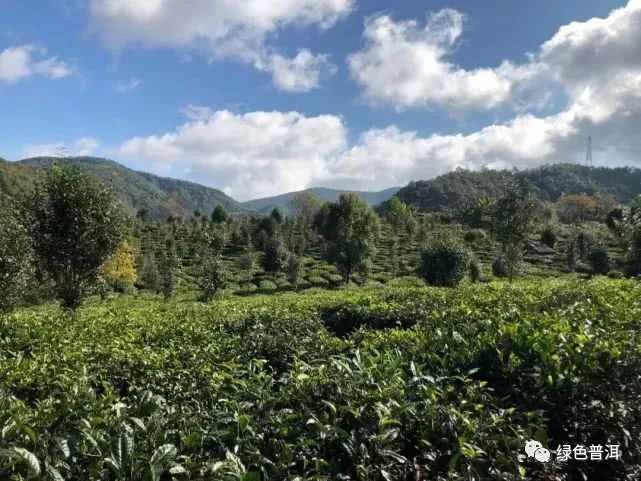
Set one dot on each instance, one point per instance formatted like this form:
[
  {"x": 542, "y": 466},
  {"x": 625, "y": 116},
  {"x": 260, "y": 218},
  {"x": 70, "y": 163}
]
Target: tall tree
[
  {"x": 119, "y": 270},
  {"x": 77, "y": 224},
  {"x": 306, "y": 206},
  {"x": 350, "y": 228},
  {"x": 514, "y": 218}
]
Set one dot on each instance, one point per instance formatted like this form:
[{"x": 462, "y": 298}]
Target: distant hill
[
  {"x": 284, "y": 201},
  {"x": 456, "y": 189},
  {"x": 137, "y": 190}
]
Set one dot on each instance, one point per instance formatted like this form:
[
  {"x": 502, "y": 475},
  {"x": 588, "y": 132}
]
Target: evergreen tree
[
  {"x": 77, "y": 224},
  {"x": 350, "y": 228}
]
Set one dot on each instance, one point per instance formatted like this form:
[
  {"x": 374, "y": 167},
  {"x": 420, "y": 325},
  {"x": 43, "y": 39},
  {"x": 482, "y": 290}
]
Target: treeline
[
  {"x": 72, "y": 238},
  {"x": 455, "y": 190}
]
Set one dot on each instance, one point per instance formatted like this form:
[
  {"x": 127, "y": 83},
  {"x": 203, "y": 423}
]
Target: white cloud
[
  {"x": 266, "y": 153},
  {"x": 301, "y": 73},
  {"x": 222, "y": 29},
  {"x": 18, "y": 63},
  {"x": 81, "y": 147},
  {"x": 406, "y": 65},
  {"x": 128, "y": 86},
  {"x": 249, "y": 155}
]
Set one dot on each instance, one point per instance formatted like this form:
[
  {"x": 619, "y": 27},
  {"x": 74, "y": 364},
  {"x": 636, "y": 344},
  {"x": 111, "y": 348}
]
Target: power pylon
[{"x": 588, "y": 155}]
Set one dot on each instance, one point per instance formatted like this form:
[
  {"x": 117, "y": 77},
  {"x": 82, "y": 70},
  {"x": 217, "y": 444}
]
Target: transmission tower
[{"x": 588, "y": 155}]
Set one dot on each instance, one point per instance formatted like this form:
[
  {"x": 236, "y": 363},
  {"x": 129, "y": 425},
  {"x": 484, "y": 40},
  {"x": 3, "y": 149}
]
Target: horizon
[{"x": 353, "y": 95}]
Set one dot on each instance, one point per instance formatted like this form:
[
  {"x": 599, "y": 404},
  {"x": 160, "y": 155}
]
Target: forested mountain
[
  {"x": 161, "y": 196},
  {"x": 456, "y": 189},
  {"x": 284, "y": 201}
]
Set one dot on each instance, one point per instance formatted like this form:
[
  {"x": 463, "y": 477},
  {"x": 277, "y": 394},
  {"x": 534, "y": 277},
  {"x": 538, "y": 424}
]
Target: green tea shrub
[{"x": 444, "y": 263}]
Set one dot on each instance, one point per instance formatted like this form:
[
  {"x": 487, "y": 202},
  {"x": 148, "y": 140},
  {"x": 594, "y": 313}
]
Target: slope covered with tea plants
[{"x": 364, "y": 384}]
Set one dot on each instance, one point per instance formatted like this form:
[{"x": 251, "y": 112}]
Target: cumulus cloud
[
  {"x": 405, "y": 64},
  {"x": 80, "y": 147},
  {"x": 248, "y": 155},
  {"x": 21, "y": 62},
  {"x": 301, "y": 73},
  {"x": 266, "y": 153},
  {"x": 223, "y": 28}
]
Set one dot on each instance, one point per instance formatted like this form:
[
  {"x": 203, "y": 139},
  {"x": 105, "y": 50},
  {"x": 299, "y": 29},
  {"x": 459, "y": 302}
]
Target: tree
[
  {"x": 169, "y": 269},
  {"x": 219, "y": 215},
  {"x": 246, "y": 263},
  {"x": 633, "y": 233},
  {"x": 548, "y": 236},
  {"x": 399, "y": 215},
  {"x": 77, "y": 224},
  {"x": 277, "y": 215},
  {"x": 149, "y": 274},
  {"x": 350, "y": 228},
  {"x": 444, "y": 262},
  {"x": 599, "y": 259},
  {"x": 293, "y": 269},
  {"x": 275, "y": 255},
  {"x": 211, "y": 277},
  {"x": 306, "y": 206},
  {"x": 514, "y": 217},
  {"x": 119, "y": 270},
  {"x": 15, "y": 256}
]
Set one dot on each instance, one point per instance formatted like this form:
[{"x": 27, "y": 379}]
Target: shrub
[
  {"x": 499, "y": 267},
  {"x": 599, "y": 259},
  {"x": 268, "y": 285},
  {"x": 275, "y": 257},
  {"x": 475, "y": 235},
  {"x": 444, "y": 263},
  {"x": 475, "y": 269},
  {"x": 548, "y": 237},
  {"x": 615, "y": 275}
]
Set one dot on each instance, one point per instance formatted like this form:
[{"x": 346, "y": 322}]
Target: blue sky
[{"x": 346, "y": 93}]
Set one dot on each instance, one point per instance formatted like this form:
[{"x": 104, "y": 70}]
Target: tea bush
[{"x": 420, "y": 383}]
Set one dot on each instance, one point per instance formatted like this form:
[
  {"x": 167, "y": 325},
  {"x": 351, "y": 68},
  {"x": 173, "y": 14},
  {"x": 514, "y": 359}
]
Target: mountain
[
  {"x": 284, "y": 201},
  {"x": 457, "y": 189},
  {"x": 161, "y": 196}
]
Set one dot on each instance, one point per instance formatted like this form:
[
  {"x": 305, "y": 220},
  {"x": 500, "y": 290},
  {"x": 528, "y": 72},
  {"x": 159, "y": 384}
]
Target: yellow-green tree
[{"x": 119, "y": 270}]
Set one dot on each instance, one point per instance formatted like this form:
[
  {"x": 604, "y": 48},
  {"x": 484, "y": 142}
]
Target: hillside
[
  {"x": 456, "y": 189},
  {"x": 284, "y": 201},
  {"x": 161, "y": 196}
]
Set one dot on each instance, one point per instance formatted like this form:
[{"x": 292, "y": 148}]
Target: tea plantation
[{"x": 387, "y": 383}]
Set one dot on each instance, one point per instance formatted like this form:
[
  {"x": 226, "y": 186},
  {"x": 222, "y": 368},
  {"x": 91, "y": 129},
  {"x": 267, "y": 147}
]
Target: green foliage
[
  {"x": 211, "y": 276},
  {"x": 219, "y": 214},
  {"x": 15, "y": 256},
  {"x": 599, "y": 259},
  {"x": 350, "y": 228},
  {"x": 293, "y": 269},
  {"x": 169, "y": 269},
  {"x": 149, "y": 274},
  {"x": 476, "y": 273},
  {"x": 275, "y": 254},
  {"x": 514, "y": 215},
  {"x": 277, "y": 215},
  {"x": 419, "y": 383},
  {"x": 444, "y": 263},
  {"x": 77, "y": 224},
  {"x": 549, "y": 236},
  {"x": 399, "y": 215}
]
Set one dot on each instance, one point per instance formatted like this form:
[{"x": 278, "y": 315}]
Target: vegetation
[
  {"x": 277, "y": 388},
  {"x": 350, "y": 228},
  {"x": 119, "y": 270},
  {"x": 77, "y": 224},
  {"x": 444, "y": 263},
  {"x": 389, "y": 380}
]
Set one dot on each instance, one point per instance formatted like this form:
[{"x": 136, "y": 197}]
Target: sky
[{"x": 258, "y": 97}]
